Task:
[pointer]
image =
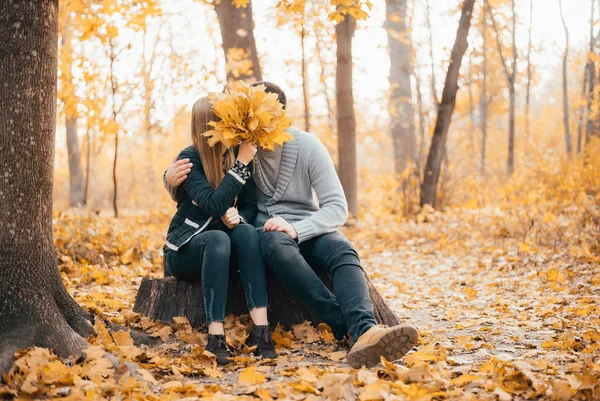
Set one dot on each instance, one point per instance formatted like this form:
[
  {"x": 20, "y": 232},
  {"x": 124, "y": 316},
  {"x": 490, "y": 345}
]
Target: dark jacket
[{"x": 200, "y": 207}]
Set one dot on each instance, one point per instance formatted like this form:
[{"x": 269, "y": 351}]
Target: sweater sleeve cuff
[{"x": 303, "y": 230}]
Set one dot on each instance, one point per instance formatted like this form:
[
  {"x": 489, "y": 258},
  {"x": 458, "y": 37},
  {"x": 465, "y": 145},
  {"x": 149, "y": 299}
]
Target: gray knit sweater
[
  {"x": 305, "y": 171},
  {"x": 306, "y": 192}
]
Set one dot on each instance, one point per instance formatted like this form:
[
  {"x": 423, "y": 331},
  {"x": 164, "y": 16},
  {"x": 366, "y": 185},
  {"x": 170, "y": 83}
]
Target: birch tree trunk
[
  {"x": 440, "y": 133},
  {"x": 529, "y": 73},
  {"x": 305, "y": 87}
]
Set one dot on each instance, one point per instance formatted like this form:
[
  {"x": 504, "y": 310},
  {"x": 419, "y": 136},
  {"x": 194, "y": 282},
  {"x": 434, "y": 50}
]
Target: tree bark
[
  {"x": 565, "y": 83},
  {"x": 239, "y": 46},
  {"x": 76, "y": 181},
  {"x": 483, "y": 101},
  {"x": 440, "y": 133},
  {"x": 163, "y": 299},
  {"x": 347, "y": 167},
  {"x": 401, "y": 108},
  {"x": 35, "y": 308}
]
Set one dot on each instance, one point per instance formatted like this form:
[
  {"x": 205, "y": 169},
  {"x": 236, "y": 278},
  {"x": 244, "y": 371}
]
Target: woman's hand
[
  {"x": 231, "y": 218},
  {"x": 246, "y": 152},
  {"x": 178, "y": 171}
]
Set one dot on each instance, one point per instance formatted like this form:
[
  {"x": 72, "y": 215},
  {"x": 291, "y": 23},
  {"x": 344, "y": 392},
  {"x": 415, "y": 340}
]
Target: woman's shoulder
[{"x": 190, "y": 153}]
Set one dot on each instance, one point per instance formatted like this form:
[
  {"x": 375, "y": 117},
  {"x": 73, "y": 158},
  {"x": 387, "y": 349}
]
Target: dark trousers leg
[
  {"x": 205, "y": 258},
  {"x": 253, "y": 271},
  {"x": 283, "y": 257},
  {"x": 337, "y": 255}
]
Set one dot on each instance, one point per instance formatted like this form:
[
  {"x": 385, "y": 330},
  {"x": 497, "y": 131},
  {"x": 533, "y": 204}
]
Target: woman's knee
[
  {"x": 218, "y": 243},
  {"x": 244, "y": 233}
]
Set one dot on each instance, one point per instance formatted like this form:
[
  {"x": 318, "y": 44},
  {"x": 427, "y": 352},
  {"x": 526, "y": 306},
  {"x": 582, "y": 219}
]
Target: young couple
[{"x": 266, "y": 215}]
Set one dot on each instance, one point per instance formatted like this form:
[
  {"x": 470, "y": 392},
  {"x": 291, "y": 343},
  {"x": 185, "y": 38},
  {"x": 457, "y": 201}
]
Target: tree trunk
[
  {"x": 35, "y": 308},
  {"x": 113, "y": 89},
  {"x": 591, "y": 71},
  {"x": 401, "y": 109},
  {"x": 163, "y": 299},
  {"x": 345, "y": 112},
  {"x": 305, "y": 87},
  {"x": 239, "y": 46},
  {"x": 565, "y": 83},
  {"x": 440, "y": 133},
  {"x": 586, "y": 77},
  {"x": 434, "y": 96},
  {"x": 483, "y": 101},
  {"x": 76, "y": 182},
  {"x": 529, "y": 73},
  {"x": 511, "y": 76}
]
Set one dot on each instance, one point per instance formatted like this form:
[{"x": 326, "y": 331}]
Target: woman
[{"x": 215, "y": 208}]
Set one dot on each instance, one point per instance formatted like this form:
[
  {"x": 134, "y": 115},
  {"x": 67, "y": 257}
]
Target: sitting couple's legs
[
  {"x": 206, "y": 258},
  {"x": 349, "y": 308}
]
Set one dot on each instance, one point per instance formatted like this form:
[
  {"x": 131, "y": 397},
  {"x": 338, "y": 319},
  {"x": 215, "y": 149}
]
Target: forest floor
[{"x": 506, "y": 302}]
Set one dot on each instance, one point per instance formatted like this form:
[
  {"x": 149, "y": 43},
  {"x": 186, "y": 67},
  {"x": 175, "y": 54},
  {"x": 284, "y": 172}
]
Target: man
[{"x": 297, "y": 233}]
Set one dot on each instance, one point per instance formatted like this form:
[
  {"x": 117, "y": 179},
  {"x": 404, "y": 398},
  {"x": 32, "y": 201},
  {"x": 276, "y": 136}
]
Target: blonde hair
[{"x": 213, "y": 161}]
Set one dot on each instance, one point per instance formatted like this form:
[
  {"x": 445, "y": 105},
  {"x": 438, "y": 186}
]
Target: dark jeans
[
  {"x": 206, "y": 258},
  {"x": 350, "y": 309}
]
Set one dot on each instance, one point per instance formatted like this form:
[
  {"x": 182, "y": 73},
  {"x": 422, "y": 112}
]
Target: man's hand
[
  {"x": 279, "y": 224},
  {"x": 231, "y": 218},
  {"x": 178, "y": 171}
]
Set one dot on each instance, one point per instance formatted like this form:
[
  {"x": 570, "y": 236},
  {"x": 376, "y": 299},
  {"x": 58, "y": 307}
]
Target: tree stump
[{"x": 165, "y": 298}]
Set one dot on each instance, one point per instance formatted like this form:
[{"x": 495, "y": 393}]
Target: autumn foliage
[{"x": 248, "y": 113}]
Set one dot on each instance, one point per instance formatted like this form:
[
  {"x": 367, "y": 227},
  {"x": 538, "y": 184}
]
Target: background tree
[
  {"x": 483, "y": 100},
  {"x": 346, "y": 121},
  {"x": 529, "y": 68},
  {"x": 511, "y": 75},
  {"x": 239, "y": 45},
  {"x": 69, "y": 100},
  {"x": 401, "y": 108},
  {"x": 446, "y": 107},
  {"x": 565, "y": 85},
  {"x": 35, "y": 308}
]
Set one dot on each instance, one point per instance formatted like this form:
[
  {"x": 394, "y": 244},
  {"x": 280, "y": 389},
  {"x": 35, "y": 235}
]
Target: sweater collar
[{"x": 289, "y": 157}]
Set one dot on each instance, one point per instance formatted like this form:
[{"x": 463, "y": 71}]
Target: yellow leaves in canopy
[
  {"x": 358, "y": 9},
  {"x": 247, "y": 112}
]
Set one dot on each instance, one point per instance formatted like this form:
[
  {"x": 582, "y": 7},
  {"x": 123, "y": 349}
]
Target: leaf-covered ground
[{"x": 506, "y": 301}]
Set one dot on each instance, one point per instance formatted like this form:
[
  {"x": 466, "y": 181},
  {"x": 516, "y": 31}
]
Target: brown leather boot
[{"x": 390, "y": 342}]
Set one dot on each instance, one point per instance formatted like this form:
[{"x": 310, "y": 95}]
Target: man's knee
[
  {"x": 340, "y": 250},
  {"x": 277, "y": 247}
]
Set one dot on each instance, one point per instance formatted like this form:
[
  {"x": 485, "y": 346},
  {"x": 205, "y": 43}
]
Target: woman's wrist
[{"x": 241, "y": 170}]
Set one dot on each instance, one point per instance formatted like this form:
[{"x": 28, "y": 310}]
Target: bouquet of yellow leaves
[{"x": 248, "y": 112}]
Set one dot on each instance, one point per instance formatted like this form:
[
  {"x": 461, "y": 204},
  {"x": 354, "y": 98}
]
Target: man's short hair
[{"x": 270, "y": 87}]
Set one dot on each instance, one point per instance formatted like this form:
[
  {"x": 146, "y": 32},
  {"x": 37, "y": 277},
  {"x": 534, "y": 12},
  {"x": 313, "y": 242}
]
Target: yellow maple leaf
[{"x": 251, "y": 377}]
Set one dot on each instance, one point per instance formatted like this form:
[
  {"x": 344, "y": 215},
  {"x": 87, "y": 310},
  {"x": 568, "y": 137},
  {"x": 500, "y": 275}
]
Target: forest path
[{"x": 507, "y": 308}]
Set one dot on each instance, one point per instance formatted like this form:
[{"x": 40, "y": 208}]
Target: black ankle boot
[
  {"x": 260, "y": 336},
  {"x": 218, "y": 346}
]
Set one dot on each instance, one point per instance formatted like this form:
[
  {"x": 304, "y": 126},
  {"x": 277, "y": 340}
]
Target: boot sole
[{"x": 393, "y": 345}]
